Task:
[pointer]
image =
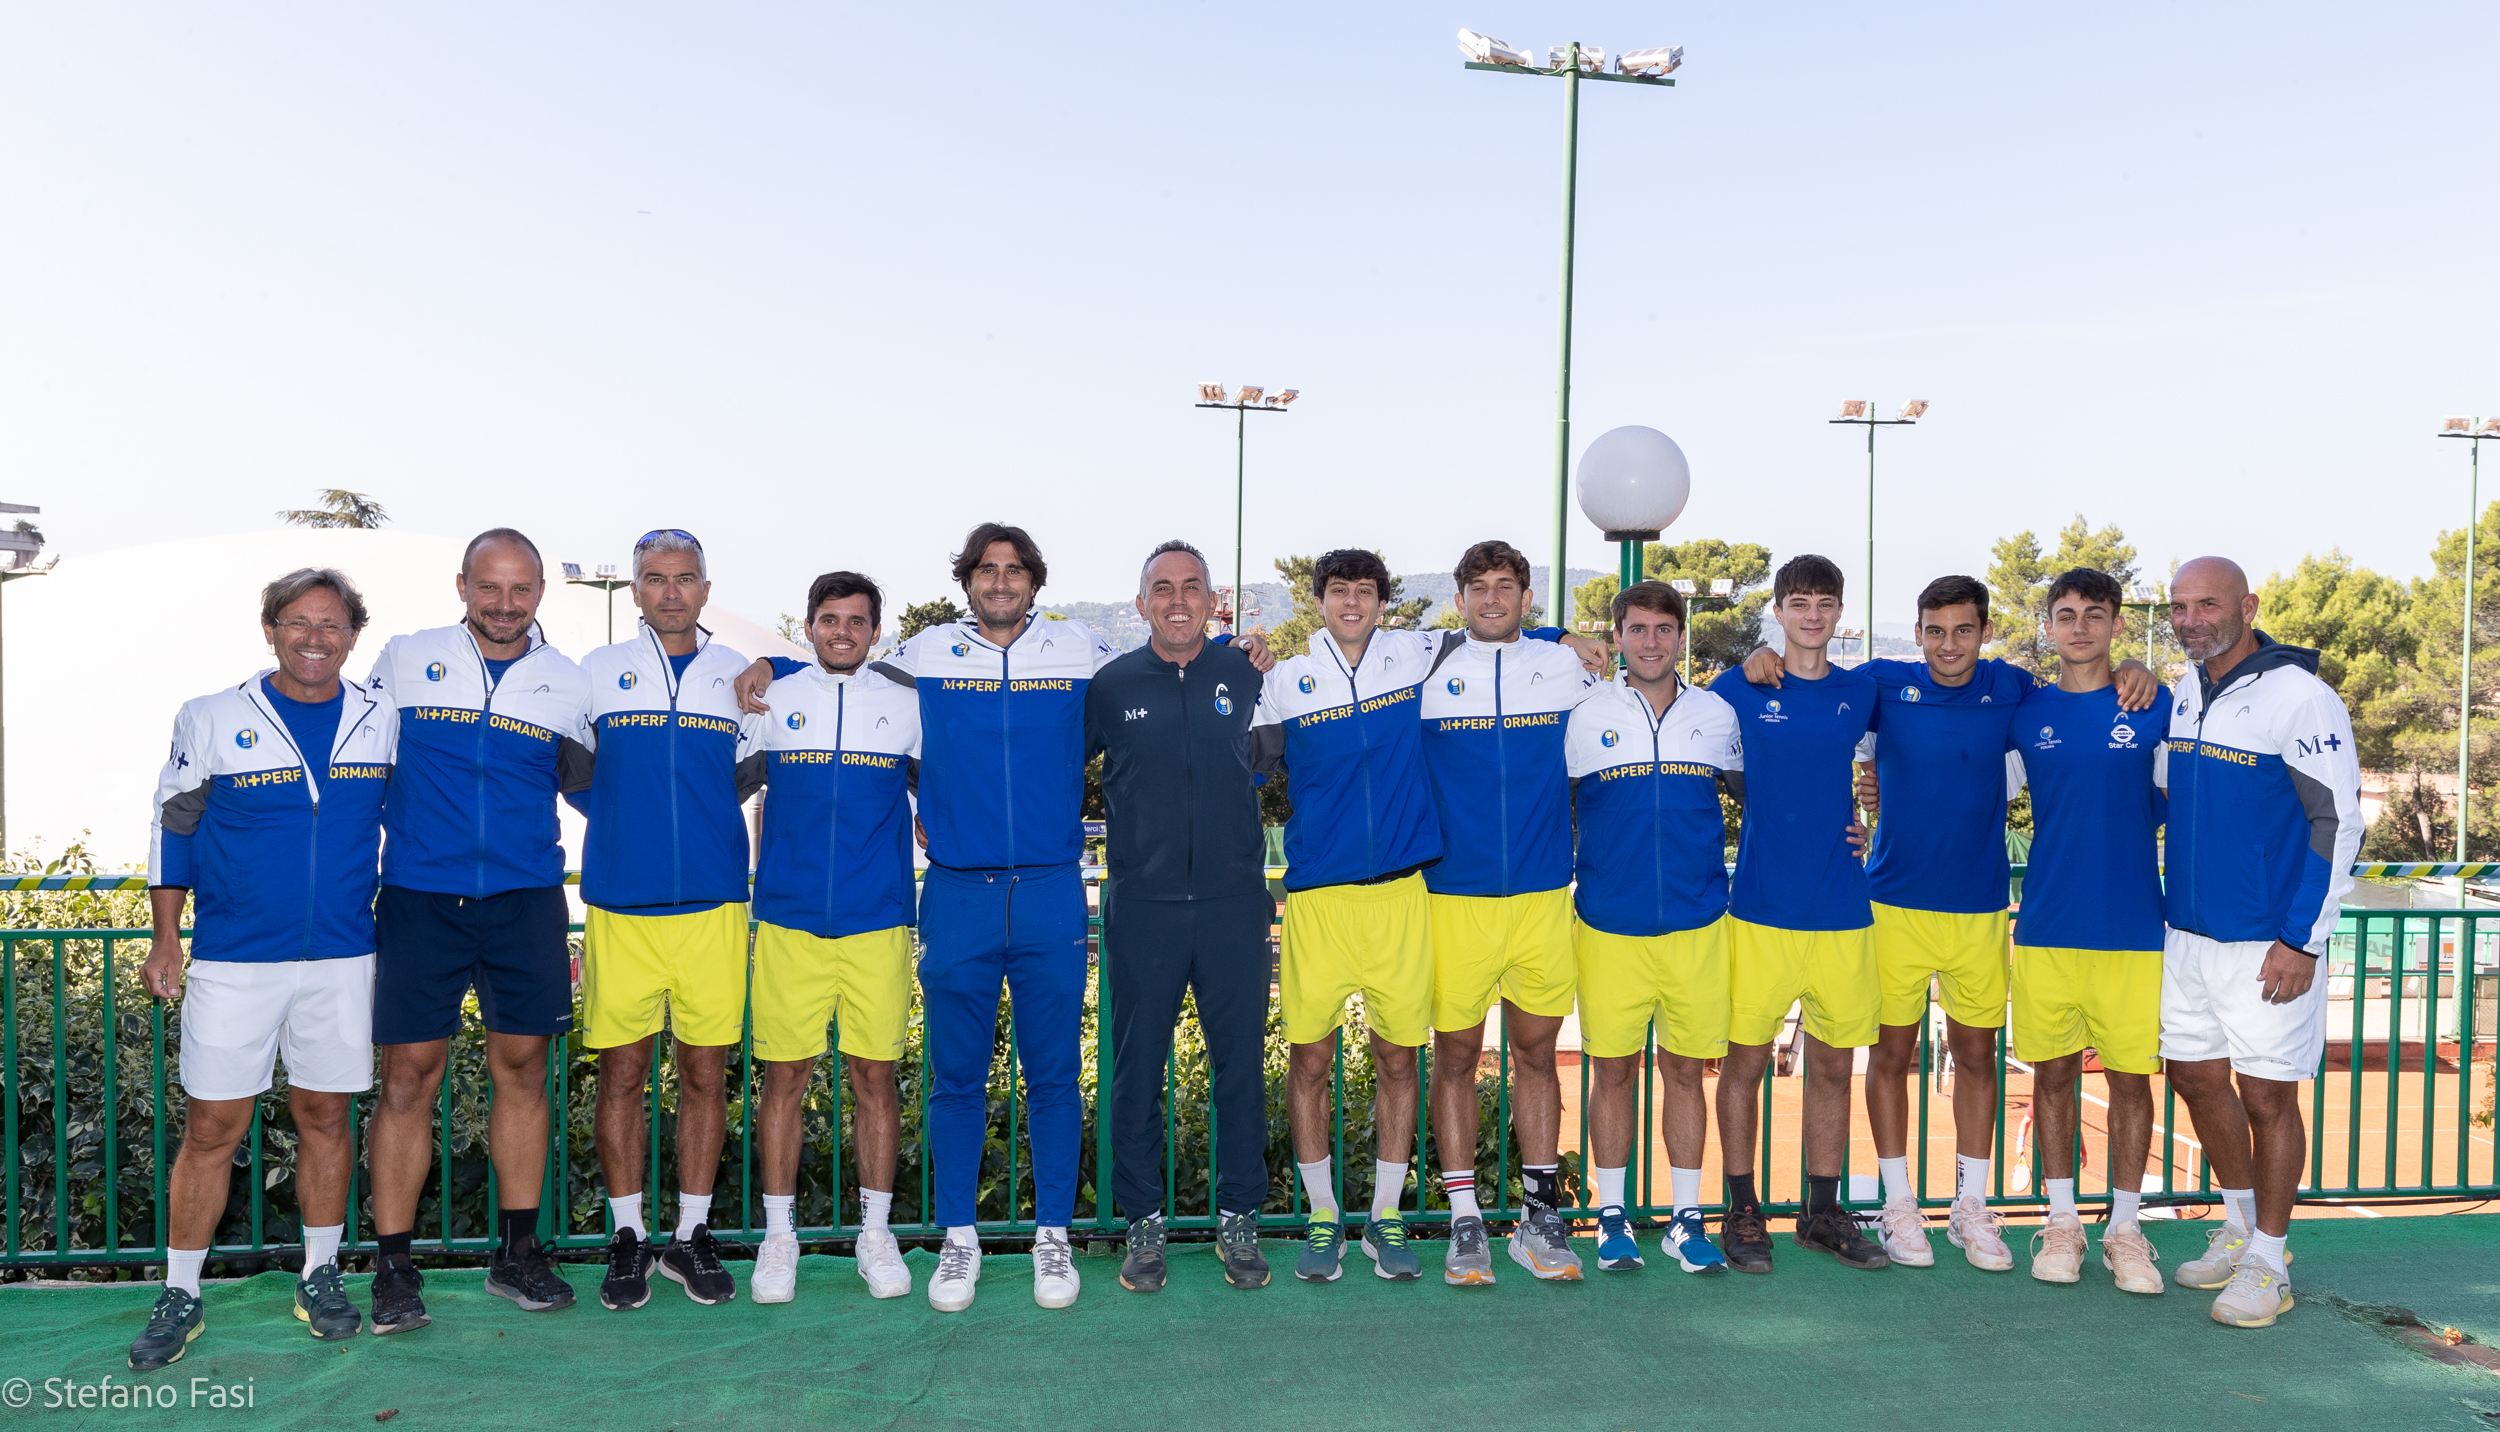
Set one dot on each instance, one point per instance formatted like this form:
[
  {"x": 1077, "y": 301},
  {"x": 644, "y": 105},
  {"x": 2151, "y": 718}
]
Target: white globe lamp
[{"x": 1634, "y": 482}]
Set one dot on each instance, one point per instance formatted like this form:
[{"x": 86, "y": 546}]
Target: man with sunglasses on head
[
  {"x": 492, "y": 727},
  {"x": 664, "y": 873}
]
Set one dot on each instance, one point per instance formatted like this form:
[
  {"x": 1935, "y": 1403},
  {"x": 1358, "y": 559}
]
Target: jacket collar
[{"x": 2269, "y": 655}]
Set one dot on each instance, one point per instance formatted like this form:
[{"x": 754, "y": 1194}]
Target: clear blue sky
[{"x": 828, "y": 286}]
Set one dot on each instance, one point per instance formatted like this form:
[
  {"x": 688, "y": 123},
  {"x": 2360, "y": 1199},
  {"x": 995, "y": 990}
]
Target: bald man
[{"x": 2265, "y": 819}]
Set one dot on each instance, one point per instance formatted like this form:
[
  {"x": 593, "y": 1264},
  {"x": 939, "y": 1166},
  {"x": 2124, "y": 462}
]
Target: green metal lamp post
[
  {"x": 606, "y": 580},
  {"x": 1570, "y": 63},
  {"x": 1249, "y": 400},
  {"x": 2149, "y": 599},
  {"x": 1861, "y": 412},
  {"x": 2473, "y": 430},
  {"x": 1634, "y": 483}
]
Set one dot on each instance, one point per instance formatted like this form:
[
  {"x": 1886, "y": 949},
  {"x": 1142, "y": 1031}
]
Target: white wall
[{"x": 102, "y": 651}]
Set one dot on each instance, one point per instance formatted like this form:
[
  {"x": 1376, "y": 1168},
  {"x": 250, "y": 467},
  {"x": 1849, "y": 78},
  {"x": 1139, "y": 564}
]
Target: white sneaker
[
  {"x": 2223, "y": 1247},
  {"x": 776, "y": 1275},
  {"x": 959, "y": 1268},
  {"x": 2130, "y": 1259},
  {"x": 2057, "y": 1250},
  {"x": 1055, "y": 1283},
  {"x": 2255, "y": 1297},
  {"x": 1973, "y": 1228},
  {"x": 1903, "y": 1232},
  {"x": 881, "y": 1263}
]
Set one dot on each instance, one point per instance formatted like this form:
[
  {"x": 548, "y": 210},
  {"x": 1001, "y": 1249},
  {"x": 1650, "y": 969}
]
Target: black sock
[
  {"x": 393, "y": 1245},
  {"x": 1740, "y": 1192},
  {"x": 517, "y": 1224},
  {"x": 1544, "y": 1185},
  {"x": 1822, "y": 1192}
]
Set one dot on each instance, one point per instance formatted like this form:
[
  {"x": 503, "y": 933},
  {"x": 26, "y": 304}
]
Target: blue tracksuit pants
[{"x": 1025, "y": 927}]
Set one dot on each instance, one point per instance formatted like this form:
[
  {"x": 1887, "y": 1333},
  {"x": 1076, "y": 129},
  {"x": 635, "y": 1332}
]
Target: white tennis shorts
[
  {"x": 2213, "y": 1008},
  {"x": 237, "y": 1017}
]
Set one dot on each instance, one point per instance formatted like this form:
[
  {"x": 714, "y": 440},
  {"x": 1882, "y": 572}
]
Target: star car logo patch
[
  {"x": 797, "y": 720},
  {"x": 2122, "y": 734},
  {"x": 434, "y": 671},
  {"x": 1458, "y": 685},
  {"x": 1909, "y": 693},
  {"x": 1307, "y": 685},
  {"x": 247, "y": 738},
  {"x": 1608, "y": 739},
  {"x": 625, "y": 681}
]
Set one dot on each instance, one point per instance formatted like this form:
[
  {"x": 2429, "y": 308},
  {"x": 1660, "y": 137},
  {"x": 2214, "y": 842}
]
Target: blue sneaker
[
  {"x": 1617, "y": 1249},
  {"x": 1693, "y": 1250}
]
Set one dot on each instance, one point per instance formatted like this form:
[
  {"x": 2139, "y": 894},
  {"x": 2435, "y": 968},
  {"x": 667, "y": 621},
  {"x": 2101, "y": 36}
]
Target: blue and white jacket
[
  {"x": 1494, "y": 715},
  {"x": 472, "y": 804},
  {"x": 1350, "y": 736},
  {"x": 2265, "y": 802},
  {"x": 1002, "y": 730},
  {"x": 666, "y": 835},
  {"x": 1653, "y": 841},
  {"x": 839, "y": 751},
  {"x": 279, "y": 868}
]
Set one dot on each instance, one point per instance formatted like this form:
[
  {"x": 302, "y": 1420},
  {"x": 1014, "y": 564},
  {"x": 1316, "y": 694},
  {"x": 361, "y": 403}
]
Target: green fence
[{"x": 89, "y": 1126}]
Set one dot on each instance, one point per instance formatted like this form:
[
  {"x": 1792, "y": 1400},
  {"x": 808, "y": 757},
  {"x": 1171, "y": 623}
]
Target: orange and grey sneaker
[
  {"x": 1974, "y": 1228},
  {"x": 2130, "y": 1258},
  {"x": 2057, "y": 1250},
  {"x": 1541, "y": 1243},
  {"x": 2223, "y": 1248},
  {"x": 1903, "y": 1229},
  {"x": 2255, "y": 1296}
]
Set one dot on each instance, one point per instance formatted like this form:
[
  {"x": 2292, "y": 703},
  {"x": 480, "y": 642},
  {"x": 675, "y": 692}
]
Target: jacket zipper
[
  {"x": 1007, "y": 747},
  {"x": 833, "y": 811},
  {"x": 485, "y": 718},
  {"x": 1501, "y": 775},
  {"x": 1189, "y": 746},
  {"x": 1371, "y": 822},
  {"x": 676, "y": 859}
]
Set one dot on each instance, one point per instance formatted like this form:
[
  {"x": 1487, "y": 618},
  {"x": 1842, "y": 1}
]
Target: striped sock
[{"x": 1459, "y": 1186}]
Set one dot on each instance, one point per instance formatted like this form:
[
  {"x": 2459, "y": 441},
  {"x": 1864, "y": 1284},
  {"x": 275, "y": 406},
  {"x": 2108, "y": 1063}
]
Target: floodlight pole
[
  {"x": 1241, "y": 440},
  {"x": 1866, "y": 637},
  {"x": 609, "y": 585},
  {"x": 7, "y": 576},
  {"x": 2465, "y": 649},
  {"x": 1570, "y": 75}
]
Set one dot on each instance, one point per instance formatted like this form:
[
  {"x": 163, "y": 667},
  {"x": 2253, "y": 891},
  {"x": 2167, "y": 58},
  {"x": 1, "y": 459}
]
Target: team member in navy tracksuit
[
  {"x": 269, "y": 811},
  {"x": 2265, "y": 819},
  {"x": 1185, "y": 907},
  {"x": 491, "y": 726}
]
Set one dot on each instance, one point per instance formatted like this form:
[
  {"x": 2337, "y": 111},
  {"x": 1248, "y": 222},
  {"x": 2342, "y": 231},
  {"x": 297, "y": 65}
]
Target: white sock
[
  {"x": 2240, "y": 1208},
  {"x": 1319, "y": 1190},
  {"x": 1609, "y": 1186},
  {"x": 627, "y": 1212},
  {"x": 1897, "y": 1185},
  {"x": 1970, "y": 1178},
  {"x": 1388, "y": 1187},
  {"x": 1460, "y": 1185},
  {"x": 777, "y": 1213},
  {"x": 2267, "y": 1249},
  {"x": 1043, "y": 1231},
  {"x": 2061, "y": 1193},
  {"x": 321, "y": 1245},
  {"x": 182, "y": 1268},
  {"x": 692, "y": 1208},
  {"x": 2125, "y": 1204},
  {"x": 874, "y": 1206},
  {"x": 963, "y": 1235},
  {"x": 1685, "y": 1187}
]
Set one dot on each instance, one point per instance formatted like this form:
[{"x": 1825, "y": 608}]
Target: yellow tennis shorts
[
  {"x": 862, "y": 982},
  {"x": 2106, "y": 1000},
  {"x": 1679, "y": 980},
  {"x": 641, "y": 973},
  {"x": 1831, "y": 971},
  {"x": 1341, "y": 939},
  {"x": 1965, "y": 953},
  {"x": 1516, "y": 946}
]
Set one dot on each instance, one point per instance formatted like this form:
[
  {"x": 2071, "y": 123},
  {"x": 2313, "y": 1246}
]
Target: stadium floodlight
[
  {"x": 1485, "y": 50},
  {"x": 605, "y": 579},
  {"x": 2473, "y": 430},
  {"x": 1592, "y": 59},
  {"x": 1722, "y": 586},
  {"x": 1249, "y": 395},
  {"x": 2459, "y": 425},
  {"x": 2489, "y": 429},
  {"x": 1661, "y": 60},
  {"x": 1855, "y": 409},
  {"x": 1212, "y": 393},
  {"x": 572, "y": 571},
  {"x": 1285, "y": 398},
  {"x": 2144, "y": 592},
  {"x": 1913, "y": 410},
  {"x": 1682, "y": 584}
]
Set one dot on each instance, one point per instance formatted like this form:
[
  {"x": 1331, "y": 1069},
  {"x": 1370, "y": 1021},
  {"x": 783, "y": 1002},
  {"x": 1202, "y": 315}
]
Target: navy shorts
[{"x": 431, "y": 948}]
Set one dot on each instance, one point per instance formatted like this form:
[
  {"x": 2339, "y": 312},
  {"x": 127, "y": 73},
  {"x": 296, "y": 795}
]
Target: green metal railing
[{"x": 2410, "y": 999}]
